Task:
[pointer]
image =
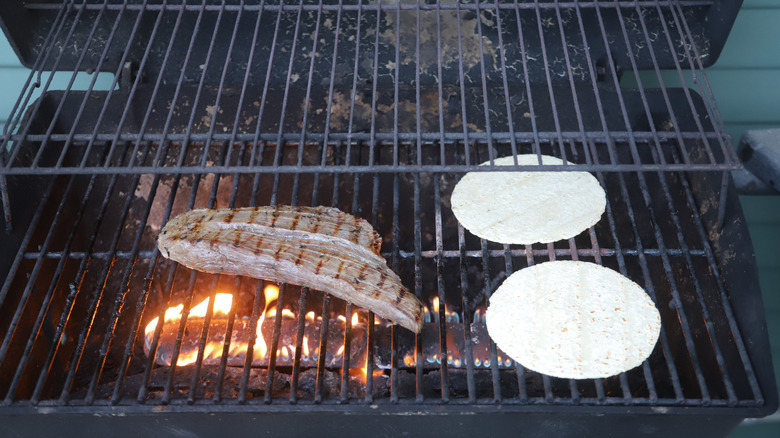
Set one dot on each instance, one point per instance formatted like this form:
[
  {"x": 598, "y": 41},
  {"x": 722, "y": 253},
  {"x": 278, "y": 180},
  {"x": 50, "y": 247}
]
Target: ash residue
[{"x": 402, "y": 29}]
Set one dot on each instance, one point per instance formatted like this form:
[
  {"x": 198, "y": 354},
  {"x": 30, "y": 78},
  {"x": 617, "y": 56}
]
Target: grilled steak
[{"x": 320, "y": 248}]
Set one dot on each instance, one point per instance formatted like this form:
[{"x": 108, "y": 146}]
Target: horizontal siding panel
[
  {"x": 769, "y": 279},
  {"x": 750, "y": 4},
  {"x": 737, "y": 129},
  {"x": 765, "y": 238},
  {"x": 761, "y": 209},
  {"x": 747, "y": 95},
  {"x": 11, "y": 82},
  {"x": 752, "y": 42},
  {"x": 7, "y": 56}
]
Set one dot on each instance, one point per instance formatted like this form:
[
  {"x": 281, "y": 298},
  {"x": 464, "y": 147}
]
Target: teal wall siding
[
  {"x": 12, "y": 78},
  {"x": 746, "y": 83}
]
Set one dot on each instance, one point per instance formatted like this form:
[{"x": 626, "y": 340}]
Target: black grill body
[{"x": 377, "y": 108}]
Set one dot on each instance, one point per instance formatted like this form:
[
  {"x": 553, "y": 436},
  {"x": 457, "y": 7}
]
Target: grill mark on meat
[
  {"x": 258, "y": 244},
  {"x": 361, "y": 274},
  {"x": 400, "y": 296},
  {"x": 338, "y": 270},
  {"x": 295, "y": 251},
  {"x": 295, "y": 220}
]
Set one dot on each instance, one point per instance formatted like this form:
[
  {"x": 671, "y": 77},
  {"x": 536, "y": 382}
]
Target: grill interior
[{"x": 377, "y": 108}]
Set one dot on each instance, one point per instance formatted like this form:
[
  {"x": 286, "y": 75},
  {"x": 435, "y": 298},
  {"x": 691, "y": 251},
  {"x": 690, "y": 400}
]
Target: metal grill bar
[
  {"x": 351, "y": 7},
  {"x": 651, "y": 291},
  {"x": 698, "y": 288},
  {"x": 427, "y": 137},
  {"x": 138, "y": 170},
  {"x": 93, "y": 306},
  {"x": 712, "y": 110},
  {"x": 182, "y": 406},
  {"x": 36, "y": 269},
  {"x": 428, "y": 254}
]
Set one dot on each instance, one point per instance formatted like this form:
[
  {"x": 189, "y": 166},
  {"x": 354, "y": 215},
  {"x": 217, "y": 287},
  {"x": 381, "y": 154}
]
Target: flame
[
  {"x": 212, "y": 350},
  {"x": 305, "y": 346},
  {"x": 409, "y": 360},
  {"x": 271, "y": 293},
  {"x": 215, "y": 346},
  {"x": 286, "y": 313},
  {"x": 433, "y": 315},
  {"x": 222, "y": 304}
]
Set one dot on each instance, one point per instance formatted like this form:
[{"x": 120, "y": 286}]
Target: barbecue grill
[{"x": 376, "y": 107}]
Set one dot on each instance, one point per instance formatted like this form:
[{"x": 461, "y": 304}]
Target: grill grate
[
  {"x": 104, "y": 281},
  {"x": 313, "y": 82},
  {"x": 376, "y": 108}
]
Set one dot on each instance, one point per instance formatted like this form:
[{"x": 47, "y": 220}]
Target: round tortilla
[
  {"x": 528, "y": 207},
  {"x": 573, "y": 319}
]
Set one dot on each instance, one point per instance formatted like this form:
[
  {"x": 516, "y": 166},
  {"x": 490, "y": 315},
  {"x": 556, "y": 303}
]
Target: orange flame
[
  {"x": 271, "y": 293},
  {"x": 305, "y": 346},
  {"x": 222, "y": 304},
  {"x": 213, "y": 348}
]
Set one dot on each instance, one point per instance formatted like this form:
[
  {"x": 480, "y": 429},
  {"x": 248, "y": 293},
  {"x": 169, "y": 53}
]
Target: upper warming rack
[{"x": 363, "y": 86}]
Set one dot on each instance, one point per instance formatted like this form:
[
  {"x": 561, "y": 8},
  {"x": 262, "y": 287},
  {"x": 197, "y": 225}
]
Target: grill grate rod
[
  {"x": 331, "y": 138},
  {"x": 377, "y": 7},
  {"x": 17, "y": 260},
  {"x": 445, "y": 396},
  {"x": 119, "y": 302},
  {"x": 371, "y": 341},
  {"x": 703, "y": 85},
  {"x": 428, "y": 254},
  {"x": 650, "y": 288},
  {"x": 68, "y": 307},
  {"x": 68, "y": 88},
  {"x": 36, "y": 105},
  {"x": 395, "y": 262},
  {"x": 36, "y": 71},
  {"x": 724, "y": 297},
  {"x": 95, "y": 302},
  {"x": 120, "y": 72},
  {"x": 191, "y": 396},
  {"x": 30, "y": 286},
  {"x": 141, "y": 307},
  {"x": 699, "y": 294}
]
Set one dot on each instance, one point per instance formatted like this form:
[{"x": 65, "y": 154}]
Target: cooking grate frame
[
  {"x": 72, "y": 21},
  {"x": 651, "y": 176}
]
